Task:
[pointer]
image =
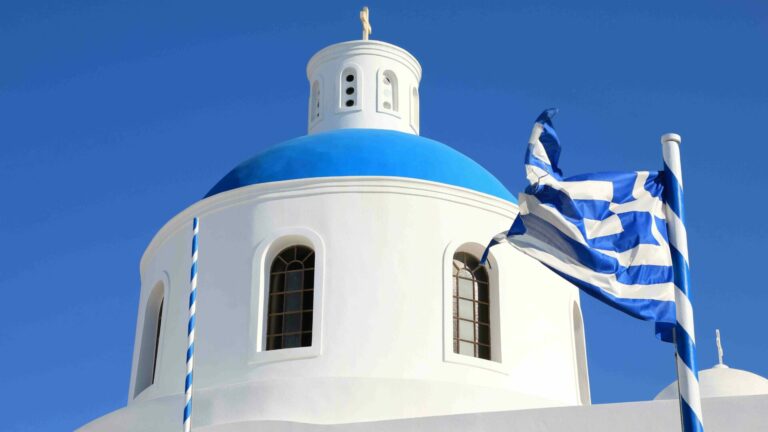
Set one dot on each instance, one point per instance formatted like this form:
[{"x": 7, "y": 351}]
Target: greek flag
[{"x": 606, "y": 232}]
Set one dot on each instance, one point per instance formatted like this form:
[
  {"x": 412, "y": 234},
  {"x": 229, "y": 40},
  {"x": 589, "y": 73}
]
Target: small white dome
[{"x": 723, "y": 381}]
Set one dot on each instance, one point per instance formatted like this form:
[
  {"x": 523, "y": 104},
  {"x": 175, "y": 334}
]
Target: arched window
[
  {"x": 471, "y": 307},
  {"x": 387, "y": 92},
  {"x": 291, "y": 292},
  {"x": 314, "y": 102},
  {"x": 349, "y": 88},
  {"x": 415, "y": 109},
  {"x": 149, "y": 350}
]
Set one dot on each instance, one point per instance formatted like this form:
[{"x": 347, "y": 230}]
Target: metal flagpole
[
  {"x": 685, "y": 342},
  {"x": 191, "y": 330}
]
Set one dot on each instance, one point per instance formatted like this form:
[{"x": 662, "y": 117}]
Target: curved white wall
[{"x": 382, "y": 331}]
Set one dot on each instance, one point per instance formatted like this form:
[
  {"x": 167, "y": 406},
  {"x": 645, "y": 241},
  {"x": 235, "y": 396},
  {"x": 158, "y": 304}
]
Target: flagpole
[
  {"x": 191, "y": 329},
  {"x": 684, "y": 337}
]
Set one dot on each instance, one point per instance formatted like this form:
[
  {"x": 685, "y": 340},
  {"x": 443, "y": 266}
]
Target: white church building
[{"x": 340, "y": 289}]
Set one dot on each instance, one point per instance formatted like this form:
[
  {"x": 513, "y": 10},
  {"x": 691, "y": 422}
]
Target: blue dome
[{"x": 363, "y": 152}]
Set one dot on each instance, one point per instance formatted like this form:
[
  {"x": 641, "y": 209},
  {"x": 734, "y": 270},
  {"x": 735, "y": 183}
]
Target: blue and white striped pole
[
  {"x": 685, "y": 341},
  {"x": 191, "y": 330}
]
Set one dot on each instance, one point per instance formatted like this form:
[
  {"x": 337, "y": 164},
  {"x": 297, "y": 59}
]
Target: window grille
[
  {"x": 291, "y": 295},
  {"x": 471, "y": 307}
]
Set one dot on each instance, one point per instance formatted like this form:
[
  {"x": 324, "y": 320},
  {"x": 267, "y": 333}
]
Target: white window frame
[
  {"x": 265, "y": 253},
  {"x": 496, "y": 363}
]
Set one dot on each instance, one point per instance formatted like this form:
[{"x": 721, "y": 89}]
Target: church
[{"x": 341, "y": 290}]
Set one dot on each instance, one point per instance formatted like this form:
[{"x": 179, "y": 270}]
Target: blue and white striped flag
[{"x": 606, "y": 233}]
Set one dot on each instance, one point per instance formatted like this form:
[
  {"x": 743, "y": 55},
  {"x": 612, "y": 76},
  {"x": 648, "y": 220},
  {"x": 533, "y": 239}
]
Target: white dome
[{"x": 722, "y": 381}]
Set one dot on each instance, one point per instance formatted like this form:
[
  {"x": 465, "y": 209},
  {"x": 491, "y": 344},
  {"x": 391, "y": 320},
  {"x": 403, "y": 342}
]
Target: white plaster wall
[{"x": 381, "y": 346}]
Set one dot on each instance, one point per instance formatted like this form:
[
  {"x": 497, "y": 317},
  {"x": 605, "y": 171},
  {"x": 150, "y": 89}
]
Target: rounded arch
[
  {"x": 388, "y": 93},
  {"x": 264, "y": 257}
]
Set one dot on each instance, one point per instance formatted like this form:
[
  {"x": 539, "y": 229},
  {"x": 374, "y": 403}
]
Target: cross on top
[
  {"x": 719, "y": 347},
  {"x": 366, "y": 24}
]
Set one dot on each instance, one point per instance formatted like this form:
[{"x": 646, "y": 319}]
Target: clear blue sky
[{"x": 114, "y": 116}]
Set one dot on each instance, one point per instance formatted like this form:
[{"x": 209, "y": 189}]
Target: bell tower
[{"x": 363, "y": 84}]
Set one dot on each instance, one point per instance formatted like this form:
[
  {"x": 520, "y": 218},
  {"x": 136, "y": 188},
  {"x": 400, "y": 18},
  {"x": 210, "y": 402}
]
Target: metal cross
[
  {"x": 719, "y": 347},
  {"x": 366, "y": 24}
]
